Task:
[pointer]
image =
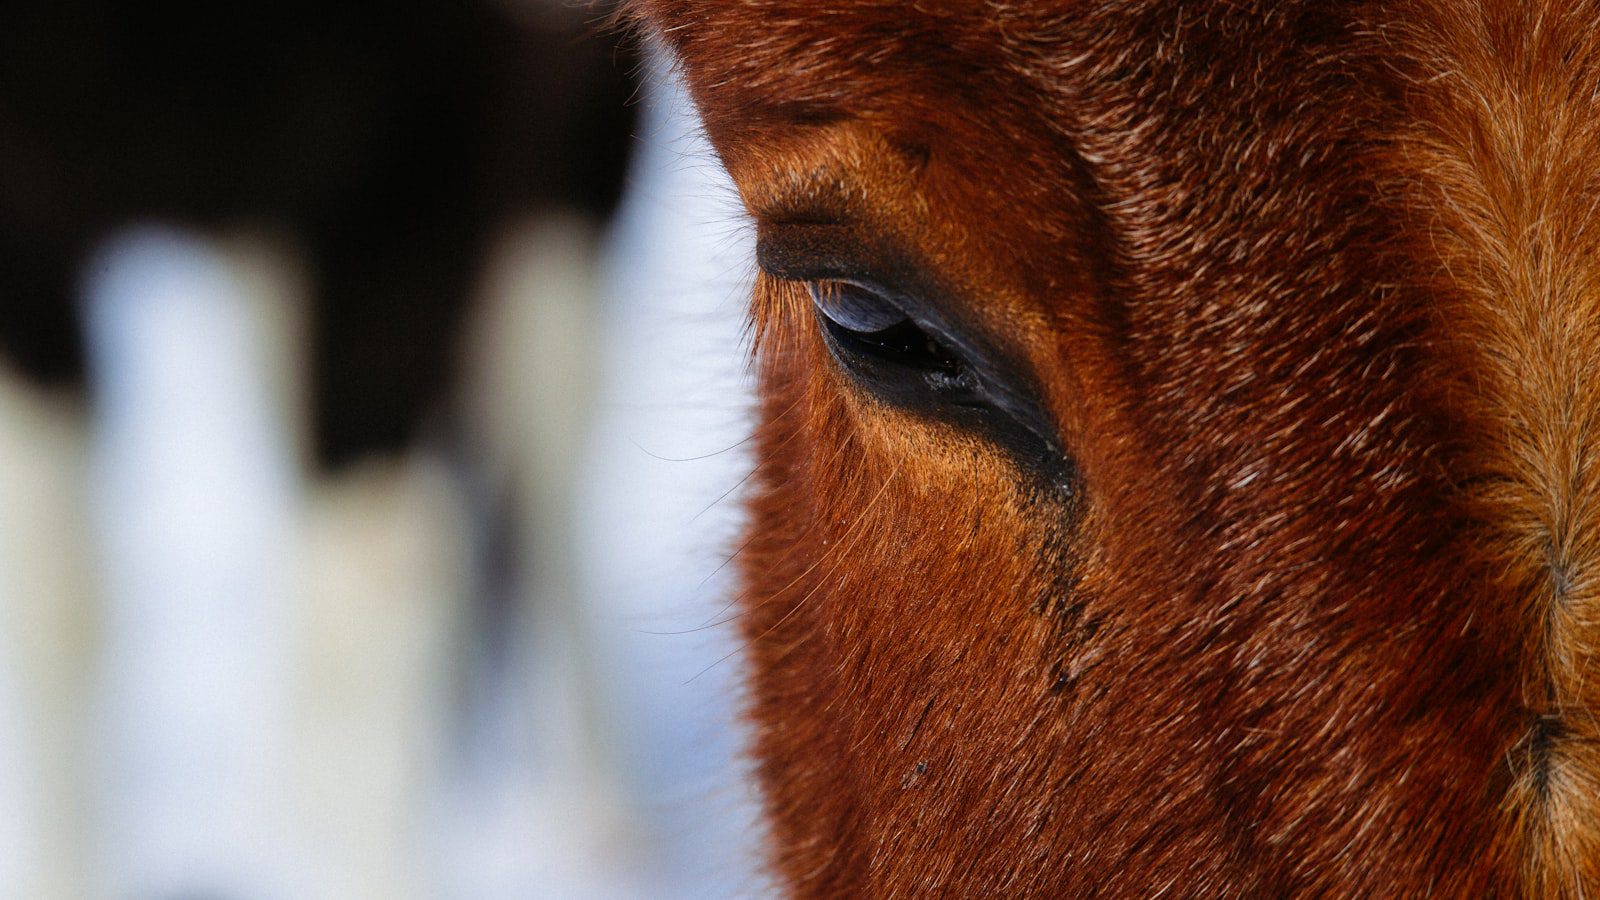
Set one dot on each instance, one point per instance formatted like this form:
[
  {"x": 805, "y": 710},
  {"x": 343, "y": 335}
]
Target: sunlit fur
[{"x": 1311, "y": 291}]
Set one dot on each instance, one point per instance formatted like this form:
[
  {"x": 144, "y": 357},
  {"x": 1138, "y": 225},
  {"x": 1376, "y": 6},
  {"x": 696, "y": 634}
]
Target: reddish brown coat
[{"x": 1304, "y": 602}]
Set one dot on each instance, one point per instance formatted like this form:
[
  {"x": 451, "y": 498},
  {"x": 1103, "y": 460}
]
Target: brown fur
[{"x": 1311, "y": 294}]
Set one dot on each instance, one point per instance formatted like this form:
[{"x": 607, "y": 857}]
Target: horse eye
[{"x": 863, "y": 323}]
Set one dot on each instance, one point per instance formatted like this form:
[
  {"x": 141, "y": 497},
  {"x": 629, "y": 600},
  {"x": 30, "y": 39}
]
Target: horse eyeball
[{"x": 853, "y": 307}]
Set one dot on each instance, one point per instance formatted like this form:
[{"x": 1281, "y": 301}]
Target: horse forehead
[
  {"x": 1027, "y": 70},
  {"x": 848, "y": 52},
  {"x": 752, "y": 43}
]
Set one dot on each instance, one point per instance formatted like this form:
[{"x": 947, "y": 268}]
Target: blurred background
[{"x": 372, "y": 420}]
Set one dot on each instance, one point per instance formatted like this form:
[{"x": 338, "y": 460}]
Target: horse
[{"x": 1178, "y": 458}]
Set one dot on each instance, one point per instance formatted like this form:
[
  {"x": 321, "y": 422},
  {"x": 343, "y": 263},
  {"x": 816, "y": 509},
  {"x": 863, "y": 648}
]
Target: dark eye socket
[
  {"x": 866, "y": 324},
  {"x": 900, "y": 335},
  {"x": 901, "y": 358}
]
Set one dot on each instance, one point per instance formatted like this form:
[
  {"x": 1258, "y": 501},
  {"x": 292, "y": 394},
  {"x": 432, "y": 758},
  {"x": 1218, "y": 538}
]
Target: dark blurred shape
[{"x": 390, "y": 141}]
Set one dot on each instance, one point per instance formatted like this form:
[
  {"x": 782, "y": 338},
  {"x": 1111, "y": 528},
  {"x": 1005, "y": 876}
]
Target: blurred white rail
[
  {"x": 221, "y": 677},
  {"x": 195, "y": 522},
  {"x": 46, "y": 643}
]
